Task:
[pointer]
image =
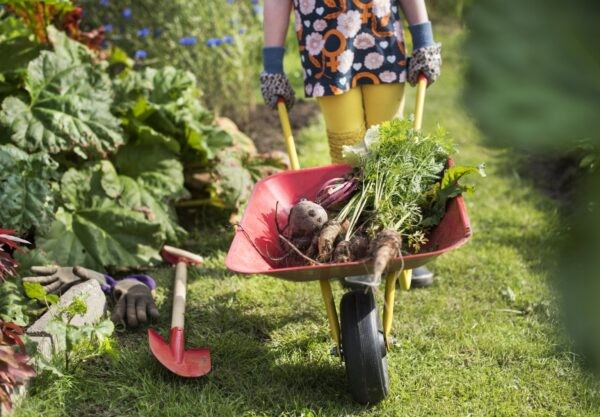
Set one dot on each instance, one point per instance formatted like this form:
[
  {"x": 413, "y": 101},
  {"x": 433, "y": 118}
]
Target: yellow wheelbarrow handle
[
  {"x": 420, "y": 101},
  {"x": 287, "y": 133}
]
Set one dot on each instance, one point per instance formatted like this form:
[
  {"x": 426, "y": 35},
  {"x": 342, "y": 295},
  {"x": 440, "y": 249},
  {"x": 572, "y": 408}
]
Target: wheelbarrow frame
[{"x": 398, "y": 269}]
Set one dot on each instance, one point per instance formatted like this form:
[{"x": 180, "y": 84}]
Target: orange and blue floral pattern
[{"x": 345, "y": 43}]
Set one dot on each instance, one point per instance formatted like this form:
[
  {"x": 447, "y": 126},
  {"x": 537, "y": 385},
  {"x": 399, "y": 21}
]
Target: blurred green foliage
[
  {"x": 534, "y": 76},
  {"x": 218, "y": 41},
  {"x": 533, "y": 83},
  {"x": 448, "y": 9}
]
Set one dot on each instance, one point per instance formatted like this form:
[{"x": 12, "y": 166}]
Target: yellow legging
[{"x": 349, "y": 115}]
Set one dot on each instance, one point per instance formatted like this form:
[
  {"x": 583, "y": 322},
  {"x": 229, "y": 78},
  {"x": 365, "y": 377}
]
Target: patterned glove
[
  {"x": 274, "y": 86},
  {"x": 134, "y": 303},
  {"x": 57, "y": 280},
  {"x": 427, "y": 60}
]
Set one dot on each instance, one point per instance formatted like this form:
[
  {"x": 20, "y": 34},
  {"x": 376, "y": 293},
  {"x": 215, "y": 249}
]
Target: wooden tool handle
[
  {"x": 183, "y": 254},
  {"x": 178, "y": 313}
]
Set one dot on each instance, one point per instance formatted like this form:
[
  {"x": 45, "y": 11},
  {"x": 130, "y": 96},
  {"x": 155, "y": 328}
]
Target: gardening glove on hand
[
  {"x": 426, "y": 57},
  {"x": 134, "y": 303},
  {"x": 57, "y": 280},
  {"x": 273, "y": 82}
]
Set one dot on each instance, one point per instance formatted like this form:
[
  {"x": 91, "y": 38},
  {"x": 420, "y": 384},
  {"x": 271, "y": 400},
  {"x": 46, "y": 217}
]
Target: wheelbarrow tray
[{"x": 286, "y": 188}]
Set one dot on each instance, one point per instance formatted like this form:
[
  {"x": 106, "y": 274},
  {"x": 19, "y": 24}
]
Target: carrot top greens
[{"x": 405, "y": 181}]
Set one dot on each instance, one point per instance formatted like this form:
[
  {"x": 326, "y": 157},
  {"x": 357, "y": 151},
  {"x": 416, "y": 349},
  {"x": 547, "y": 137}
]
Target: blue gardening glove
[
  {"x": 273, "y": 82},
  {"x": 426, "y": 57}
]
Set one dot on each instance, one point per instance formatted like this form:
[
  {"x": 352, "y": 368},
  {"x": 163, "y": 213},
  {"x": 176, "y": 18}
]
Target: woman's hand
[
  {"x": 427, "y": 60},
  {"x": 426, "y": 54},
  {"x": 273, "y": 81}
]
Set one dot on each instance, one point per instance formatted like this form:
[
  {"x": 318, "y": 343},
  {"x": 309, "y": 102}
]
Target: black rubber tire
[{"x": 363, "y": 347}]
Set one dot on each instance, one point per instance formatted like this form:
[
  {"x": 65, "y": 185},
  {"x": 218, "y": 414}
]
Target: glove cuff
[
  {"x": 273, "y": 59},
  {"x": 422, "y": 35},
  {"x": 143, "y": 278}
]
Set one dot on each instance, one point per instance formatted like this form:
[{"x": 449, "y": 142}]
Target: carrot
[
  {"x": 327, "y": 237},
  {"x": 342, "y": 254},
  {"x": 384, "y": 247},
  {"x": 359, "y": 247}
]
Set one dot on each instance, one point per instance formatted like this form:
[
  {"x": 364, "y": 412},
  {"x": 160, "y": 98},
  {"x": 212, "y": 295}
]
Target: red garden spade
[{"x": 187, "y": 363}]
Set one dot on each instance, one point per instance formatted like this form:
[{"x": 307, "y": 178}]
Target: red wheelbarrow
[{"x": 361, "y": 341}]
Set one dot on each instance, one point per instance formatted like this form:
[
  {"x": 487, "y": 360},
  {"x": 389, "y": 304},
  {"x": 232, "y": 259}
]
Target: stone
[{"x": 96, "y": 307}]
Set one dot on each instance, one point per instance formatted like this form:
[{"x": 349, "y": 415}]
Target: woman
[{"x": 354, "y": 63}]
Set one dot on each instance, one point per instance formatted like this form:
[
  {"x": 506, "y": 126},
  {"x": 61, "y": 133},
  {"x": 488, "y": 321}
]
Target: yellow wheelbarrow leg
[
  {"x": 405, "y": 279},
  {"x": 332, "y": 316},
  {"x": 388, "y": 306}
]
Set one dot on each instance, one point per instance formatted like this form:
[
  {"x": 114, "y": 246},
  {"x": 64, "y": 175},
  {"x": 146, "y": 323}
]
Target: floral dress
[{"x": 345, "y": 43}]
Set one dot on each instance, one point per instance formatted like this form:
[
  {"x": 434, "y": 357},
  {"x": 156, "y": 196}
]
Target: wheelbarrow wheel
[{"x": 363, "y": 347}]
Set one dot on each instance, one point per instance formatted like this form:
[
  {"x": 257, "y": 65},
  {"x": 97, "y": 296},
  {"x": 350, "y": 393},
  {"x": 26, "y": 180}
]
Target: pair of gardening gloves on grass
[{"x": 133, "y": 295}]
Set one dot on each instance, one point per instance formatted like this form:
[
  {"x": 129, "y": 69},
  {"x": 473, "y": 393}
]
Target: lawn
[{"x": 486, "y": 339}]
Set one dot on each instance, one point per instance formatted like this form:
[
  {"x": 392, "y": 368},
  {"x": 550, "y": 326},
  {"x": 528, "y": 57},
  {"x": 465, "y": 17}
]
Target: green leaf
[
  {"x": 57, "y": 327},
  {"x": 27, "y": 188},
  {"x": 102, "y": 237},
  {"x": 21, "y": 51},
  {"x": 146, "y": 135},
  {"x": 69, "y": 109},
  {"x": 154, "y": 167},
  {"x": 232, "y": 184},
  {"x": 77, "y": 306},
  {"x": 138, "y": 198},
  {"x": 449, "y": 188},
  {"x": 119, "y": 57},
  {"x": 169, "y": 84},
  {"x": 85, "y": 188},
  {"x": 52, "y": 299},
  {"x": 69, "y": 49},
  {"x": 110, "y": 180},
  {"x": 103, "y": 329},
  {"x": 34, "y": 290},
  {"x": 455, "y": 173},
  {"x": 12, "y": 27}
]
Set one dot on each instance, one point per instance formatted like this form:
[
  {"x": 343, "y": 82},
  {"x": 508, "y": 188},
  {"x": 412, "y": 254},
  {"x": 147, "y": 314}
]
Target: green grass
[{"x": 485, "y": 340}]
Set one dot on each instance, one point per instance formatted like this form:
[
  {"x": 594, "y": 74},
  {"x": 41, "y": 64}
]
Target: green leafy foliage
[
  {"x": 446, "y": 189},
  {"x": 222, "y": 48},
  {"x": 162, "y": 105},
  {"x": 36, "y": 291},
  {"x": 68, "y": 106},
  {"x": 404, "y": 178},
  {"x": 79, "y": 343},
  {"x": 100, "y": 237},
  {"x": 28, "y": 188},
  {"x": 543, "y": 90},
  {"x": 13, "y": 306},
  {"x": 542, "y": 94}
]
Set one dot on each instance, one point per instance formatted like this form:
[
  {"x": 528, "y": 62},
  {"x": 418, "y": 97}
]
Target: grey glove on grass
[
  {"x": 57, "y": 280},
  {"x": 426, "y": 57},
  {"x": 273, "y": 82},
  {"x": 134, "y": 303}
]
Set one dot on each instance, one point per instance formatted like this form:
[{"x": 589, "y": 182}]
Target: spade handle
[{"x": 177, "y": 316}]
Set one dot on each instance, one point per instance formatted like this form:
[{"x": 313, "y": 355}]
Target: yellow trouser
[{"x": 347, "y": 116}]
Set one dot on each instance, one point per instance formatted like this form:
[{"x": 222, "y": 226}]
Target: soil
[
  {"x": 264, "y": 127},
  {"x": 557, "y": 176}
]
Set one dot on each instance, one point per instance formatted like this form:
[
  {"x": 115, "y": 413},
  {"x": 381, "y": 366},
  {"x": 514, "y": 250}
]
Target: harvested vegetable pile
[{"x": 386, "y": 207}]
